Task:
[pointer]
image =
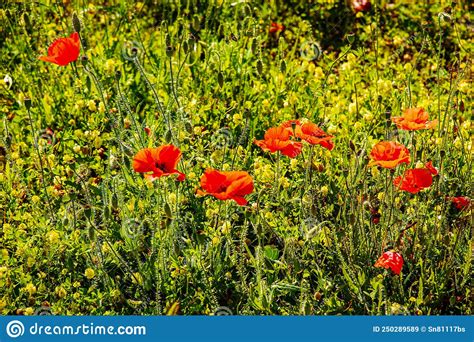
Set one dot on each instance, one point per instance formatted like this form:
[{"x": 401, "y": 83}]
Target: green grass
[{"x": 306, "y": 243}]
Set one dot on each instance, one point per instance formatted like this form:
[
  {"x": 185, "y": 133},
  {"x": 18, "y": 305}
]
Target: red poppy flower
[
  {"x": 226, "y": 185},
  {"x": 392, "y": 260},
  {"x": 389, "y": 154},
  {"x": 415, "y": 180},
  {"x": 63, "y": 50},
  {"x": 160, "y": 161},
  {"x": 275, "y": 27},
  {"x": 414, "y": 119},
  {"x": 361, "y": 5},
  {"x": 310, "y": 133},
  {"x": 433, "y": 170},
  {"x": 461, "y": 202},
  {"x": 278, "y": 139}
]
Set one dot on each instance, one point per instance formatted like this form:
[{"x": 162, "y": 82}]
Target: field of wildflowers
[{"x": 236, "y": 157}]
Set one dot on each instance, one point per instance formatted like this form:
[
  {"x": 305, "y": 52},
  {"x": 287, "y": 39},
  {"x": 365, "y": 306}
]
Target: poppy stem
[
  {"x": 277, "y": 176},
  {"x": 35, "y": 143}
]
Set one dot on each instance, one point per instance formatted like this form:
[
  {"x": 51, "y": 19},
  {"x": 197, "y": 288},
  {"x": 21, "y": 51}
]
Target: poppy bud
[
  {"x": 26, "y": 20},
  {"x": 253, "y": 46},
  {"x": 188, "y": 127},
  {"x": 168, "y": 136},
  {"x": 76, "y": 23},
  {"x": 168, "y": 211},
  {"x": 27, "y": 103},
  {"x": 84, "y": 60},
  {"x": 220, "y": 79},
  {"x": 114, "y": 201},
  {"x": 169, "y": 51},
  {"x": 351, "y": 38},
  {"x": 118, "y": 74},
  {"x": 134, "y": 51},
  {"x": 185, "y": 47},
  {"x": 283, "y": 66},
  {"x": 259, "y": 67}
]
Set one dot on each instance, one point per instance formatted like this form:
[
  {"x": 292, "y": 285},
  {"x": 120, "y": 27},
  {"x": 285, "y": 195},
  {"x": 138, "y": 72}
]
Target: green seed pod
[
  {"x": 220, "y": 79},
  {"x": 283, "y": 66},
  {"x": 76, "y": 23}
]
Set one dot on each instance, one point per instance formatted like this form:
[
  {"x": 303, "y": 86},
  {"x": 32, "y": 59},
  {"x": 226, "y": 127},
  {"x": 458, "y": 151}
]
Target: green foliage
[{"x": 82, "y": 233}]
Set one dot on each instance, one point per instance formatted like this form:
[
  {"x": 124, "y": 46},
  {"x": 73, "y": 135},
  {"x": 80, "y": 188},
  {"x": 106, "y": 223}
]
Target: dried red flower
[
  {"x": 361, "y": 5},
  {"x": 414, "y": 119},
  {"x": 278, "y": 139},
  {"x": 389, "y": 154},
  {"x": 461, "y": 202},
  {"x": 160, "y": 161},
  {"x": 63, "y": 50},
  {"x": 275, "y": 27},
  {"x": 415, "y": 180},
  {"x": 392, "y": 260},
  {"x": 226, "y": 185},
  {"x": 310, "y": 133}
]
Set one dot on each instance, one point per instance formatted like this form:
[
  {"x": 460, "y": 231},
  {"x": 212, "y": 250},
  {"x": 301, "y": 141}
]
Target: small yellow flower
[
  {"x": 324, "y": 190},
  {"x": 30, "y": 288},
  {"x": 52, "y": 237},
  {"x": 91, "y": 105},
  {"x": 237, "y": 118},
  {"x": 215, "y": 240},
  {"x": 89, "y": 273},
  {"x": 61, "y": 292}
]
